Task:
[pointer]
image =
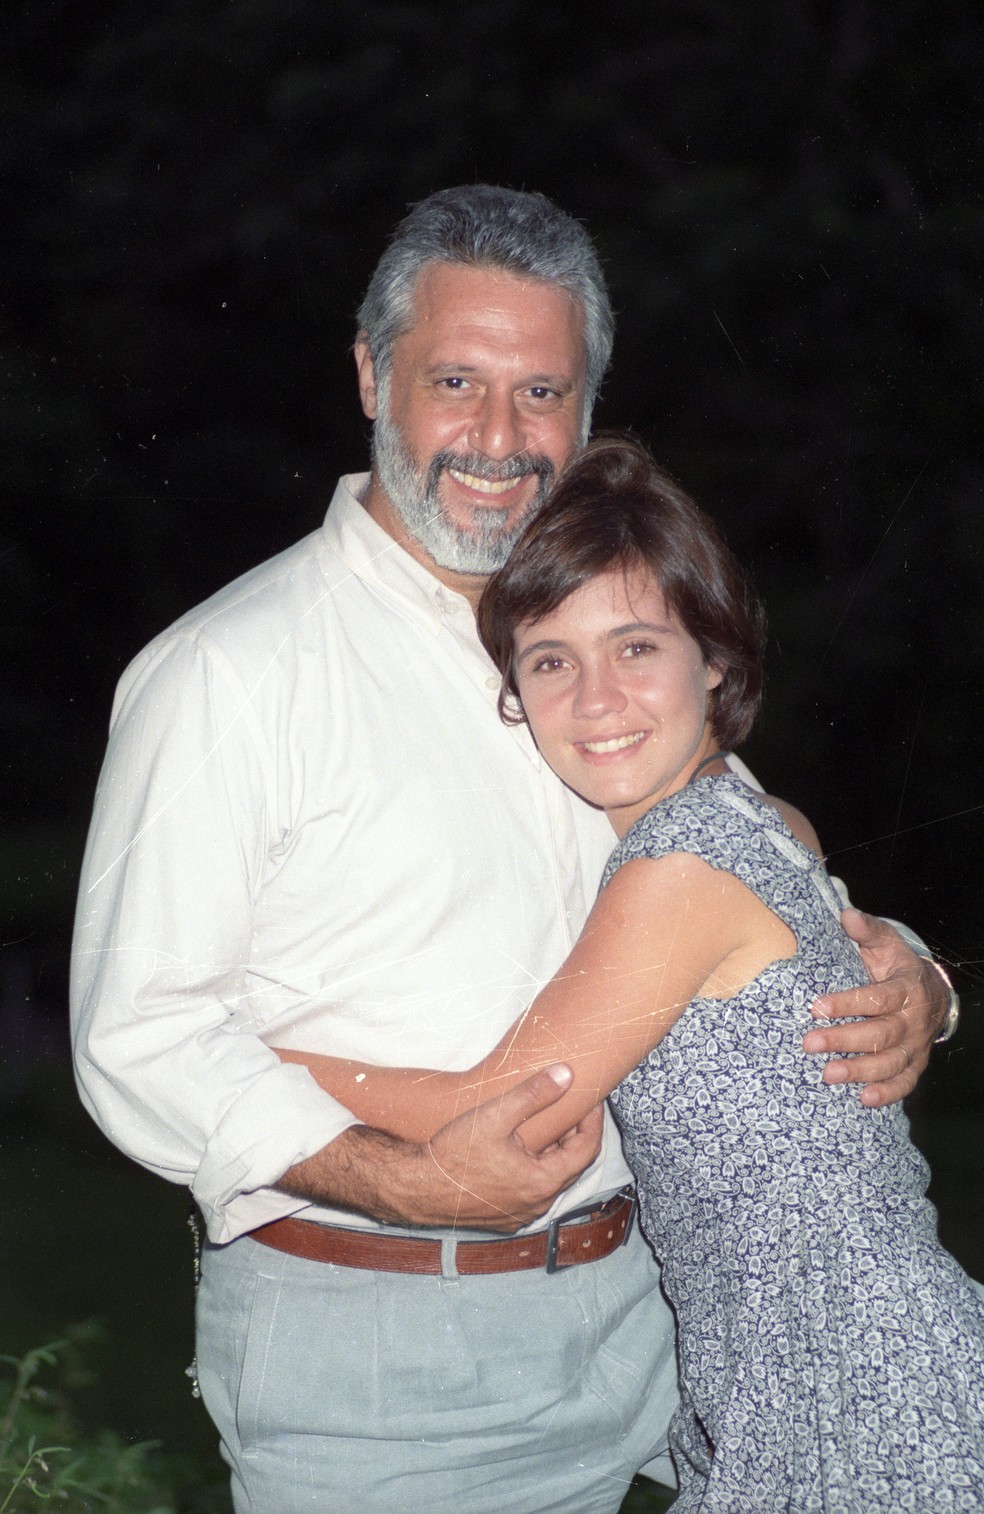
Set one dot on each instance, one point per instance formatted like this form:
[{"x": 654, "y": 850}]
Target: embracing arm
[
  {"x": 661, "y": 932},
  {"x": 903, "y": 1010},
  {"x": 475, "y": 1172}
]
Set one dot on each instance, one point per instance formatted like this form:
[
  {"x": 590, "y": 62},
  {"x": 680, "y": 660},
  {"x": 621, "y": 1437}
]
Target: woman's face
[{"x": 615, "y": 692}]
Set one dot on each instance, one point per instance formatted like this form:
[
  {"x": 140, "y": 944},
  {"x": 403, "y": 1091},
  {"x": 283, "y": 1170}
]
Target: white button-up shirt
[{"x": 313, "y": 831}]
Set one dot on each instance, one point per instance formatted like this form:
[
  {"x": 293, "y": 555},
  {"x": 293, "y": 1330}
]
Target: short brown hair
[{"x": 613, "y": 507}]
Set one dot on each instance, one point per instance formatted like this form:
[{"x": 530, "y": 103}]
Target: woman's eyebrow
[
  {"x": 658, "y": 628},
  {"x": 540, "y": 646}
]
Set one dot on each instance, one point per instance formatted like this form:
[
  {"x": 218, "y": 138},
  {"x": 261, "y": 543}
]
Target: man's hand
[
  {"x": 476, "y": 1173},
  {"x": 902, "y": 1010},
  {"x": 484, "y": 1175}
]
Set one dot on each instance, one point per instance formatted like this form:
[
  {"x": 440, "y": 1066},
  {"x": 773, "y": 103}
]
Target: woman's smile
[{"x": 603, "y": 746}]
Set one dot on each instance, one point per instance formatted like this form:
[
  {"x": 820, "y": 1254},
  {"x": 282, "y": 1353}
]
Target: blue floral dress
[{"x": 831, "y": 1352}]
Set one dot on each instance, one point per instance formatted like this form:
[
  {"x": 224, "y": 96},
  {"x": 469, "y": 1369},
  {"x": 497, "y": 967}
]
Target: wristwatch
[{"x": 952, "y": 1019}]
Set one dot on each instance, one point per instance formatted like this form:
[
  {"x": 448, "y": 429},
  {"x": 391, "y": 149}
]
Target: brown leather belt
[{"x": 583, "y": 1235}]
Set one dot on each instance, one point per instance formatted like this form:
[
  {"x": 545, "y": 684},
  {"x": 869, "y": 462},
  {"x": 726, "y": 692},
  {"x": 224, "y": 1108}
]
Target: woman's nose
[{"x": 598, "y": 693}]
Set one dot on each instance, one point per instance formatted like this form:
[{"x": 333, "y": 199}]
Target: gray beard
[{"x": 413, "y": 493}]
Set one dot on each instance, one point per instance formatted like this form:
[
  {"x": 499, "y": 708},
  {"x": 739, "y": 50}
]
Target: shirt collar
[
  {"x": 379, "y": 561},
  {"x": 372, "y": 555}
]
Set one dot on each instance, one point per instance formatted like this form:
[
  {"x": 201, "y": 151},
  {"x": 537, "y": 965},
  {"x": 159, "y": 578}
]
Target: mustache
[{"x": 520, "y": 465}]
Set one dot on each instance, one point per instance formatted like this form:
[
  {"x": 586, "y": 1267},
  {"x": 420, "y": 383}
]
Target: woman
[{"x": 831, "y": 1353}]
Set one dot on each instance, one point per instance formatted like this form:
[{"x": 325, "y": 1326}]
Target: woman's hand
[{"x": 901, "y": 1010}]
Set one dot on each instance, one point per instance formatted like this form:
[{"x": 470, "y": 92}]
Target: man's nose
[{"x": 498, "y": 430}]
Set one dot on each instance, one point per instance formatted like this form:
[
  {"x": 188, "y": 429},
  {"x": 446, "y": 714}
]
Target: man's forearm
[
  {"x": 475, "y": 1173},
  {"x": 368, "y": 1172}
]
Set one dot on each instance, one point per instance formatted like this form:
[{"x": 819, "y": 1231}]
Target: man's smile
[{"x": 489, "y": 486}]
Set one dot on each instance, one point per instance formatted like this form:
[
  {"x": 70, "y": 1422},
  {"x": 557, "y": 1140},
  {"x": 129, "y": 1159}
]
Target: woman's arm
[{"x": 662, "y": 932}]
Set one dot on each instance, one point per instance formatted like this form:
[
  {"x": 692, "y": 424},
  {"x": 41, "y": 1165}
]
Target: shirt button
[
  {"x": 492, "y": 682},
  {"x": 451, "y": 607}
]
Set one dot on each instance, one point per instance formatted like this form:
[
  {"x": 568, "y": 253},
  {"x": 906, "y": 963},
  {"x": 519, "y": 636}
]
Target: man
[{"x": 312, "y": 832}]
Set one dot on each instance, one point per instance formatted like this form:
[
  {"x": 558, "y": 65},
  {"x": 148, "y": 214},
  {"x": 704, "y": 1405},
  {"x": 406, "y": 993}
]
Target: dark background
[{"x": 787, "y": 199}]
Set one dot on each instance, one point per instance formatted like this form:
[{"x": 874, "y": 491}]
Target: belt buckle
[{"x": 573, "y": 1215}]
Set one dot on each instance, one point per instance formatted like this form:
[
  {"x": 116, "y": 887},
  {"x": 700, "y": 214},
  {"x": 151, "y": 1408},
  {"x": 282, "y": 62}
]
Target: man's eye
[
  {"x": 453, "y": 381},
  {"x": 540, "y": 392}
]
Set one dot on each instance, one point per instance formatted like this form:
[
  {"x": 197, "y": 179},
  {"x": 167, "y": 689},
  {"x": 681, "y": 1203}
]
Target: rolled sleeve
[
  {"x": 248, "y": 1153},
  {"x": 169, "y": 1054}
]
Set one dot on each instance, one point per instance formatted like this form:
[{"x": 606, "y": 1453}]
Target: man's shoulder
[
  {"x": 257, "y": 611},
  {"x": 257, "y": 621},
  {"x": 274, "y": 589},
  {"x": 243, "y": 615},
  {"x": 234, "y": 633}
]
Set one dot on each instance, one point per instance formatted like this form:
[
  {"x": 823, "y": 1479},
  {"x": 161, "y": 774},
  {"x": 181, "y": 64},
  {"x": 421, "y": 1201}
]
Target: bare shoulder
[
  {"x": 663, "y": 900},
  {"x": 797, "y": 822},
  {"x": 644, "y": 879}
]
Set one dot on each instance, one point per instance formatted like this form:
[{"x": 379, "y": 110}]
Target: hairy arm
[
  {"x": 475, "y": 1173},
  {"x": 661, "y": 932}
]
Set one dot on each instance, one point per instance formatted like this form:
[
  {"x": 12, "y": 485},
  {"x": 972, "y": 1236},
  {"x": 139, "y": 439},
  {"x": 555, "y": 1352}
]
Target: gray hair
[{"x": 481, "y": 225}]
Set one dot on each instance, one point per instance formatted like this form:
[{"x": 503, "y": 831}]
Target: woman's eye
[
  {"x": 638, "y": 649},
  {"x": 548, "y": 664}
]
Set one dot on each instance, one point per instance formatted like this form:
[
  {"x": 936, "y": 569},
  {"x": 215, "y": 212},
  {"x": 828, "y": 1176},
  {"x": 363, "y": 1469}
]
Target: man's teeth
[
  {"x": 483, "y": 485},
  {"x": 615, "y": 745}
]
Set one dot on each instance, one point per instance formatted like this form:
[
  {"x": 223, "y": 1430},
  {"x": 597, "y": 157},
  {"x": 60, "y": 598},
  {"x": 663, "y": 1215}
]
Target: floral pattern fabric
[{"x": 831, "y": 1352}]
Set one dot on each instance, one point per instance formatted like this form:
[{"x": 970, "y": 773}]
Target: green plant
[{"x": 47, "y": 1456}]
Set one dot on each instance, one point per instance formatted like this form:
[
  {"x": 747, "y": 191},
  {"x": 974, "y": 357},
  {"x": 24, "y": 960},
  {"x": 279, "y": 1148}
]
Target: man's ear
[{"x": 367, "y": 375}]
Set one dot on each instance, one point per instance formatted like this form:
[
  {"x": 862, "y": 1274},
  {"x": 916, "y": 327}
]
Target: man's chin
[
  {"x": 471, "y": 558},
  {"x": 461, "y": 536},
  {"x": 489, "y": 527},
  {"x": 473, "y": 552}
]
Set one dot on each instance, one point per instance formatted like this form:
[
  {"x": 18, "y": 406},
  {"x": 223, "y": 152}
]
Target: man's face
[{"x": 482, "y": 404}]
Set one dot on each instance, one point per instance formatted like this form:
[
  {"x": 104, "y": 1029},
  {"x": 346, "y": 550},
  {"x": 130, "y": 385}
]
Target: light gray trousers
[{"x": 342, "y": 1391}]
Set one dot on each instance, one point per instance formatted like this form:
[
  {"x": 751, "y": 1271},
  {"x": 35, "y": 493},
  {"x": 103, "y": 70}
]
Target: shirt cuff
[{"x": 249, "y": 1152}]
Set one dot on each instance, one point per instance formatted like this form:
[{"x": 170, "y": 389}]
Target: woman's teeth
[{"x": 615, "y": 745}]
